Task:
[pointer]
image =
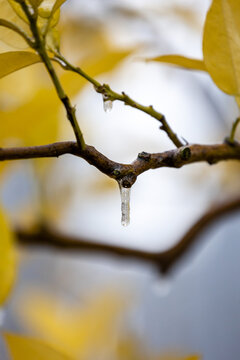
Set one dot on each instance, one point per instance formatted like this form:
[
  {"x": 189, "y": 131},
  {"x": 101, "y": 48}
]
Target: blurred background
[{"x": 96, "y": 307}]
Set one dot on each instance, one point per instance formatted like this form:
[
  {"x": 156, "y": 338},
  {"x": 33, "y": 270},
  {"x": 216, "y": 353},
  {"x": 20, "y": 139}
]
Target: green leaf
[
  {"x": 181, "y": 61},
  {"x": 7, "y": 259},
  {"x": 14, "y": 60},
  {"x": 24, "y": 348},
  {"x": 221, "y": 44}
]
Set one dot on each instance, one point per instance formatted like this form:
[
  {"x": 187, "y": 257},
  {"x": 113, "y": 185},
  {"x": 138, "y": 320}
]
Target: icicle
[
  {"x": 125, "y": 204},
  {"x": 107, "y": 104}
]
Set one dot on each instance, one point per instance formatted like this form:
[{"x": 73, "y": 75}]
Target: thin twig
[
  {"x": 18, "y": 30},
  {"x": 111, "y": 95},
  {"x": 39, "y": 47},
  {"x": 164, "y": 260},
  {"x": 233, "y": 131}
]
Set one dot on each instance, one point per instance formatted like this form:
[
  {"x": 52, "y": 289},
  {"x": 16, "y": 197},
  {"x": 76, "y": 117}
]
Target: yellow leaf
[
  {"x": 58, "y": 4},
  {"x": 24, "y": 348},
  {"x": 53, "y": 40},
  {"x": 237, "y": 98},
  {"x": 45, "y": 8},
  {"x": 51, "y": 16},
  {"x": 41, "y": 113},
  {"x": 79, "y": 330},
  {"x": 181, "y": 61},
  {"x": 40, "y": 116},
  {"x": 221, "y": 45},
  {"x": 18, "y": 10},
  {"x": 35, "y": 3},
  {"x": 14, "y": 60},
  {"x": 96, "y": 65},
  {"x": 49, "y": 7},
  {"x": 7, "y": 259},
  {"x": 7, "y": 35}
]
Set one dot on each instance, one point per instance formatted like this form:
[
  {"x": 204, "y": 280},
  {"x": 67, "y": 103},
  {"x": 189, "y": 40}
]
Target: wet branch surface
[
  {"x": 129, "y": 172},
  {"x": 164, "y": 261}
]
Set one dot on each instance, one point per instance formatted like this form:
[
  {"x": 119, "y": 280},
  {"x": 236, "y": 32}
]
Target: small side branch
[
  {"x": 39, "y": 46},
  {"x": 9, "y": 25},
  {"x": 231, "y": 139},
  {"x": 111, "y": 95},
  {"x": 164, "y": 261}
]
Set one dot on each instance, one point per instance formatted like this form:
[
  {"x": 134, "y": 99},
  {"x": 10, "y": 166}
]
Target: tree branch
[
  {"x": 40, "y": 47},
  {"x": 164, "y": 260},
  {"x": 110, "y": 95},
  {"x": 174, "y": 158}
]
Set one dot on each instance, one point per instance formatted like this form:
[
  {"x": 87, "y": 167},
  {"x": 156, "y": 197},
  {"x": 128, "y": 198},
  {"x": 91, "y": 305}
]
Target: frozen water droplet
[
  {"x": 162, "y": 287},
  {"x": 125, "y": 204},
  {"x": 107, "y": 104}
]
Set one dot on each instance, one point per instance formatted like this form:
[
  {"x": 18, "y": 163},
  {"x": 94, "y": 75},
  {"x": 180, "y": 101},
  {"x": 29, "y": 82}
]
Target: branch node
[
  {"x": 144, "y": 156},
  {"x": 230, "y": 142},
  {"x": 185, "y": 153},
  {"x": 116, "y": 173}
]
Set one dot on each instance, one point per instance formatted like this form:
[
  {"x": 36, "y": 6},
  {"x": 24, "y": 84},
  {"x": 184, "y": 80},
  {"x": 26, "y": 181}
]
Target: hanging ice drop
[
  {"x": 107, "y": 104},
  {"x": 125, "y": 204}
]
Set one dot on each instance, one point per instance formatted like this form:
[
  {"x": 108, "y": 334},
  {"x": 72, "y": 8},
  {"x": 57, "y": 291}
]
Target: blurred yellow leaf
[
  {"x": 53, "y": 40},
  {"x": 53, "y": 17},
  {"x": 18, "y": 10},
  {"x": 7, "y": 259},
  {"x": 181, "y": 61},
  {"x": 14, "y": 60},
  {"x": 46, "y": 8},
  {"x": 40, "y": 114},
  {"x": 178, "y": 357},
  {"x": 24, "y": 348},
  {"x": 82, "y": 332},
  {"x": 89, "y": 330},
  {"x": 100, "y": 63},
  {"x": 186, "y": 14},
  {"x": 130, "y": 348},
  {"x": 57, "y": 5},
  {"x": 7, "y": 35},
  {"x": 35, "y": 3},
  {"x": 221, "y": 44},
  {"x": 47, "y": 19},
  {"x": 237, "y": 98}
]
